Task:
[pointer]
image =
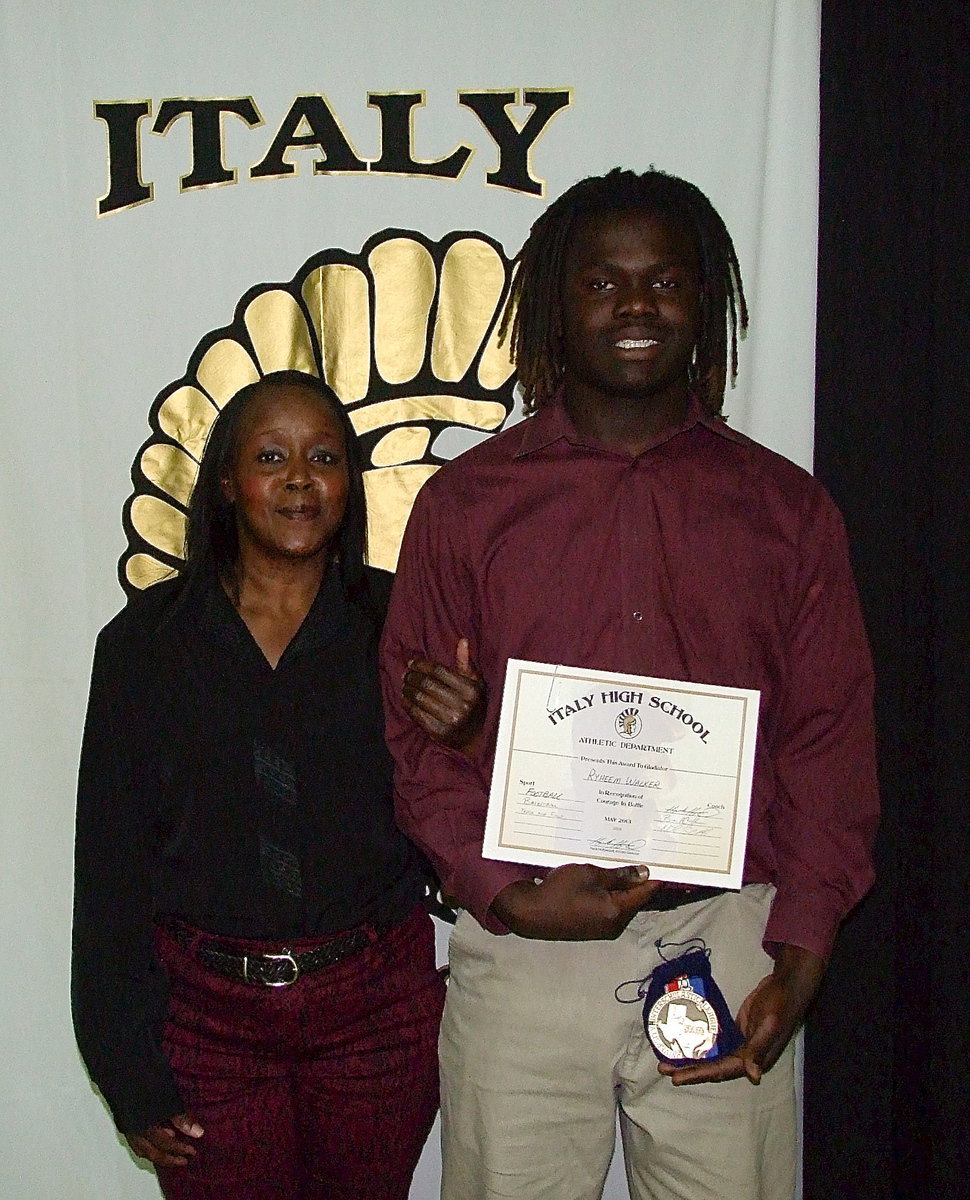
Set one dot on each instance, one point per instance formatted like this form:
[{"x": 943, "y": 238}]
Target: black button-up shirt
[{"x": 249, "y": 801}]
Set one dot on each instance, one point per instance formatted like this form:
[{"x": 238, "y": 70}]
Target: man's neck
[{"x": 626, "y": 424}]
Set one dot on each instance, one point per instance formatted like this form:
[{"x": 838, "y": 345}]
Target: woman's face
[{"x": 289, "y": 477}]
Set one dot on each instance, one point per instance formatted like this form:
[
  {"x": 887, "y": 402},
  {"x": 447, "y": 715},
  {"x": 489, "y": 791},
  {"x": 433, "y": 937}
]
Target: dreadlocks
[{"x": 533, "y": 308}]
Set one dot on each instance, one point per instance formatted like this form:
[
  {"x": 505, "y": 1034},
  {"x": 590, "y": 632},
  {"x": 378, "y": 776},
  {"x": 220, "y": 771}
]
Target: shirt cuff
[
  {"x": 477, "y": 881},
  {"x": 802, "y": 921},
  {"x": 141, "y": 1102}
]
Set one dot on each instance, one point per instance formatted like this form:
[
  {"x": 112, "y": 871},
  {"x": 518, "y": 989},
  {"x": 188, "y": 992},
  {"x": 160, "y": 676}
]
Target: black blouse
[{"x": 249, "y": 801}]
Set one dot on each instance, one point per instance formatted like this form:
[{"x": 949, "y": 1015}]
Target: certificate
[{"x": 607, "y": 768}]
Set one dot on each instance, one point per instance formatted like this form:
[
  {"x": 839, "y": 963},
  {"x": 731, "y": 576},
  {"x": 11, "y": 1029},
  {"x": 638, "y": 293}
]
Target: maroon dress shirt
[{"x": 705, "y": 558}]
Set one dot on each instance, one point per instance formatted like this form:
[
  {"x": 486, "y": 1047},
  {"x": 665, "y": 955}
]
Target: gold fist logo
[{"x": 406, "y": 334}]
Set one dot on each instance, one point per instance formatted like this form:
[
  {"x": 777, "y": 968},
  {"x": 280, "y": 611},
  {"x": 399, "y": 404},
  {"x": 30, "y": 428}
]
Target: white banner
[{"x": 186, "y": 189}]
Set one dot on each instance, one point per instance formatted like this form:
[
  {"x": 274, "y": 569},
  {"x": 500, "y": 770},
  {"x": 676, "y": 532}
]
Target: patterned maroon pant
[{"x": 324, "y": 1090}]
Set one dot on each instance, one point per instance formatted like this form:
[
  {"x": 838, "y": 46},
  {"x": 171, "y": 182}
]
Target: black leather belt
[
  {"x": 272, "y": 970},
  {"x": 673, "y": 895}
]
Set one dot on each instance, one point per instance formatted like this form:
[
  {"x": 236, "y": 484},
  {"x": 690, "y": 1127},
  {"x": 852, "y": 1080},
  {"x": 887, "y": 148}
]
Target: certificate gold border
[{"x": 619, "y": 681}]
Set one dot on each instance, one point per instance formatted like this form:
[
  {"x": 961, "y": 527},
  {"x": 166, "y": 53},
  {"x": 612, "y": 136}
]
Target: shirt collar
[
  {"x": 552, "y": 422},
  {"x": 323, "y": 624}
]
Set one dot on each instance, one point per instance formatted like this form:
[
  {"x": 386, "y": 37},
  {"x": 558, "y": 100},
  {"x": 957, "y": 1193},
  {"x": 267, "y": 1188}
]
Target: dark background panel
[{"x": 888, "y": 1044}]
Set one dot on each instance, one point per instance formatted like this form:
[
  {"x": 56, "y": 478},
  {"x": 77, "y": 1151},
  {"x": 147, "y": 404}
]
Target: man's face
[{"x": 630, "y": 308}]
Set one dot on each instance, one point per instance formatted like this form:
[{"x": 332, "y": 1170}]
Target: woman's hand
[
  {"x": 450, "y": 705},
  {"x": 165, "y": 1144}
]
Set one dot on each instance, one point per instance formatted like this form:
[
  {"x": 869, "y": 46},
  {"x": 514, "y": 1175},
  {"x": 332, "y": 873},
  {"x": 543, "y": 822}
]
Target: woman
[{"x": 254, "y": 984}]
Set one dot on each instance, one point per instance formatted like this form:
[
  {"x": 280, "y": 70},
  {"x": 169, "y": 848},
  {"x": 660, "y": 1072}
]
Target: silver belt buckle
[{"x": 285, "y": 957}]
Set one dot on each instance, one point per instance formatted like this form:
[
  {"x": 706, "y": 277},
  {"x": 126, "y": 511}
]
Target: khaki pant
[{"x": 536, "y": 1053}]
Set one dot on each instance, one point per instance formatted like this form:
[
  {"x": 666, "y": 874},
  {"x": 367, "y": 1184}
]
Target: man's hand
[
  {"x": 165, "y": 1144},
  {"x": 447, "y": 704},
  {"x": 576, "y": 903},
  {"x": 768, "y": 1018}
]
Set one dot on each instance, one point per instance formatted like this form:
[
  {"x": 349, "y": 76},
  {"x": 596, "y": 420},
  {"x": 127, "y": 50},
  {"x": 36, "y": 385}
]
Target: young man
[{"x": 626, "y": 527}]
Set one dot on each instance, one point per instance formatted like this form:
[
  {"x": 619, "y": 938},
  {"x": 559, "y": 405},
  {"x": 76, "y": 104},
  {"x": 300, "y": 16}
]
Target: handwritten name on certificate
[{"x": 594, "y": 766}]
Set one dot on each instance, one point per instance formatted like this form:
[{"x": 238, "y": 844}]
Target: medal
[
  {"x": 685, "y": 1016},
  {"x": 681, "y": 1024}
]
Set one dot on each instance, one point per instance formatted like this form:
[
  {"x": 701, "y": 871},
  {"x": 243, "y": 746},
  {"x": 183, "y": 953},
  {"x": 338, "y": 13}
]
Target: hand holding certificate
[{"x": 599, "y": 767}]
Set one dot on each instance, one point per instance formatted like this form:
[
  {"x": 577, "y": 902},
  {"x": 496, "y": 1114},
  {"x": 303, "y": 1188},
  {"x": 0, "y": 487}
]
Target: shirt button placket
[{"x": 633, "y": 551}]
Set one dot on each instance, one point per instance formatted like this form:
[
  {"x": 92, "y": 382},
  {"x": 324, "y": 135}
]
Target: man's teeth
[{"x": 636, "y": 343}]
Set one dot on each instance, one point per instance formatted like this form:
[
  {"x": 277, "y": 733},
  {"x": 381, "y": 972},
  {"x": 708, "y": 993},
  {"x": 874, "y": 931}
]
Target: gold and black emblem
[
  {"x": 628, "y": 723},
  {"x": 406, "y": 334}
]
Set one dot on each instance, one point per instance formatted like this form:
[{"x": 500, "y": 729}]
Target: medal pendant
[{"x": 681, "y": 1024}]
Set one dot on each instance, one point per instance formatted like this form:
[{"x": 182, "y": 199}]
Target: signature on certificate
[
  {"x": 618, "y": 845},
  {"x": 689, "y": 821}
]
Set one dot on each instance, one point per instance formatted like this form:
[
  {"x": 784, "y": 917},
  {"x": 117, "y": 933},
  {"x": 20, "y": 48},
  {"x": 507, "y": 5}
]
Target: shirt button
[{"x": 638, "y": 616}]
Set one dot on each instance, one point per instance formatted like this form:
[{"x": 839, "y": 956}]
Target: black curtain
[{"x": 888, "y": 1043}]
